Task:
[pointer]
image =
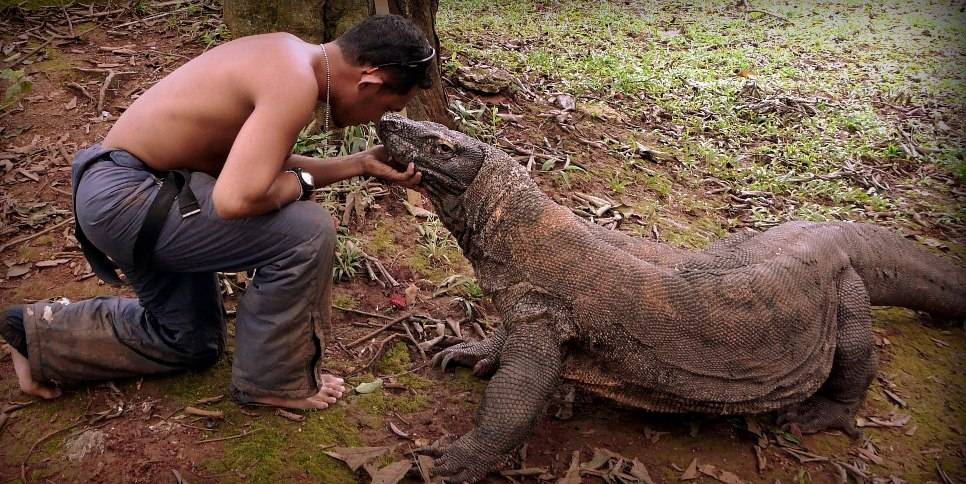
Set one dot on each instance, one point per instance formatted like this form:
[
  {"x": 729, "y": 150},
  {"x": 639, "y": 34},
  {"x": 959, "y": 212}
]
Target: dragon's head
[{"x": 449, "y": 160}]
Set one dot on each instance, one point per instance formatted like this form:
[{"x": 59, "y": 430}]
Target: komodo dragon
[{"x": 778, "y": 320}]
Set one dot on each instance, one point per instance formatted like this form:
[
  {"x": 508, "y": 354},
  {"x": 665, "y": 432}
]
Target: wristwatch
[{"x": 306, "y": 182}]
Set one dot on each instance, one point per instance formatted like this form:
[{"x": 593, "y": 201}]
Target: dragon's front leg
[
  {"x": 483, "y": 356},
  {"x": 530, "y": 366}
]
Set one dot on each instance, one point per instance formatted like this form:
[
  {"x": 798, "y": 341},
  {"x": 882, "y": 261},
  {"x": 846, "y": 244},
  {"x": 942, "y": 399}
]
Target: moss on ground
[
  {"x": 281, "y": 450},
  {"x": 381, "y": 242}
]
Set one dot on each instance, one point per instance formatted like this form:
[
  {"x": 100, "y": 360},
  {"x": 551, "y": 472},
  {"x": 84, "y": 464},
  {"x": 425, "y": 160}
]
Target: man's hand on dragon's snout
[{"x": 376, "y": 162}]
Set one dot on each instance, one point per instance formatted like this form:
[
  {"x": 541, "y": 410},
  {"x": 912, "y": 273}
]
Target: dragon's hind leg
[{"x": 854, "y": 366}]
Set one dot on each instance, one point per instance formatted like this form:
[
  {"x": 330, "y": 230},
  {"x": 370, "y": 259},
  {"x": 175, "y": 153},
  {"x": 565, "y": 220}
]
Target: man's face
[{"x": 368, "y": 105}]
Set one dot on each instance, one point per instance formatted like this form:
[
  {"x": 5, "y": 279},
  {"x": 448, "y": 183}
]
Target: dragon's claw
[{"x": 482, "y": 356}]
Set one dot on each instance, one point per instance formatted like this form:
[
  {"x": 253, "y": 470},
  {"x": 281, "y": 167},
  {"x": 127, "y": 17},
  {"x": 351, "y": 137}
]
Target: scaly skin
[{"x": 778, "y": 320}]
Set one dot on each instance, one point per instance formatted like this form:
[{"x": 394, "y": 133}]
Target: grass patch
[{"x": 811, "y": 110}]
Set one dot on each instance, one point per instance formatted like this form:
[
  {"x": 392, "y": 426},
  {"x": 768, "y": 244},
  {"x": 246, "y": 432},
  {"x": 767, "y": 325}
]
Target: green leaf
[
  {"x": 369, "y": 387},
  {"x": 548, "y": 165},
  {"x": 19, "y": 85}
]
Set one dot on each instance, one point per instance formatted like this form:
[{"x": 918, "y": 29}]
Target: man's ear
[{"x": 370, "y": 80}]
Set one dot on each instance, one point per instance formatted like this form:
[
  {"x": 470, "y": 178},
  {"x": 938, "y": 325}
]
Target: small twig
[
  {"x": 103, "y": 91},
  {"x": 289, "y": 415},
  {"x": 364, "y": 313},
  {"x": 13, "y": 407},
  {"x": 34, "y": 51},
  {"x": 411, "y": 370},
  {"x": 193, "y": 427},
  {"x": 82, "y": 89},
  {"x": 101, "y": 14},
  {"x": 204, "y": 413},
  {"x": 23, "y": 465},
  {"x": 219, "y": 439},
  {"x": 773, "y": 15},
  {"x": 381, "y": 329},
  {"x": 70, "y": 24},
  {"x": 382, "y": 269},
  {"x": 26, "y": 238},
  {"x": 409, "y": 334},
  {"x": 152, "y": 17},
  {"x": 378, "y": 353}
]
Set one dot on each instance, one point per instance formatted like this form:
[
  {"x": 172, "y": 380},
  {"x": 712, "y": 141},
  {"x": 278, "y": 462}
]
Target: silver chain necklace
[{"x": 328, "y": 82}]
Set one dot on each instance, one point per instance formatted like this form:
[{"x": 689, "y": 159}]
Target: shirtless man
[{"x": 228, "y": 120}]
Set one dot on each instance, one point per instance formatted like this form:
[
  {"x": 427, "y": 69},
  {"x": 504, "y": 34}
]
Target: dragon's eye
[{"x": 444, "y": 146}]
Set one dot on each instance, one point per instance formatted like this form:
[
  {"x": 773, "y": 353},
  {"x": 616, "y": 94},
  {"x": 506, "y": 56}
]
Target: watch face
[{"x": 308, "y": 178}]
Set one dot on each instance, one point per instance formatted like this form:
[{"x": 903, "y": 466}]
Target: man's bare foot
[
  {"x": 331, "y": 389},
  {"x": 27, "y": 384}
]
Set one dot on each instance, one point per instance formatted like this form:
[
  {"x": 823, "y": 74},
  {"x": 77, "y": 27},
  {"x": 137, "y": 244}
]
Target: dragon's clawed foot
[
  {"x": 461, "y": 459},
  {"x": 482, "y": 356},
  {"x": 820, "y": 413}
]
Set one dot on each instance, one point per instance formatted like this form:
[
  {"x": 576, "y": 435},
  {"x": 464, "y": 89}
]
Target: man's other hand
[{"x": 375, "y": 162}]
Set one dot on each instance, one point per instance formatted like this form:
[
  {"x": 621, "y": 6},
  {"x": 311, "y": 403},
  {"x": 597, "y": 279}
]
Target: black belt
[{"x": 174, "y": 185}]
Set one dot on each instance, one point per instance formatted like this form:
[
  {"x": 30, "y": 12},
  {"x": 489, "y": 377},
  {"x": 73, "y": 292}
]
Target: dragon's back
[{"x": 739, "y": 328}]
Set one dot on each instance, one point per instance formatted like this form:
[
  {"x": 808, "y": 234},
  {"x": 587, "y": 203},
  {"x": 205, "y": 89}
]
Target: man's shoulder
[{"x": 275, "y": 64}]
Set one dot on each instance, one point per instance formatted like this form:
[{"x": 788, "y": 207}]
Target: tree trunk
[{"x": 324, "y": 20}]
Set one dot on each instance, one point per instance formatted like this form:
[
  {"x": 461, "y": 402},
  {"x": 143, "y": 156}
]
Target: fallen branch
[
  {"x": 26, "y": 238},
  {"x": 381, "y": 329}
]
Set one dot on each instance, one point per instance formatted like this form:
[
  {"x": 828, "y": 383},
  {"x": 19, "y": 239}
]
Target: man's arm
[
  {"x": 252, "y": 181},
  {"x": 372, "y": 162}
]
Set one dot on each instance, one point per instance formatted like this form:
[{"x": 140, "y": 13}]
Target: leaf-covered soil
[{"x": 672, "y": 121}]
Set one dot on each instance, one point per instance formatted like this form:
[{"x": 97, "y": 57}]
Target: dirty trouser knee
[
  {"x": 114, "y": 337},
  {"x": 169, "y": 329}
]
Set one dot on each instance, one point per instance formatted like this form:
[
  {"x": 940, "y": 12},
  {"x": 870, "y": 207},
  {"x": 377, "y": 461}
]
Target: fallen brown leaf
[
  {"x": 355, "y": 457},
  {"x": 691, "y": 472},
  {"x": 51, "y": 263},
  {"x": 573, "y": 473},
  {"x": 720, "y": 474},
  {"x": 639, "y": 471},
  {"x": 396, "y": 430},
  {"x": 893, "y": 421},
  {"x": 392, "y": 473},
  {"x": 18, "y": 270}
]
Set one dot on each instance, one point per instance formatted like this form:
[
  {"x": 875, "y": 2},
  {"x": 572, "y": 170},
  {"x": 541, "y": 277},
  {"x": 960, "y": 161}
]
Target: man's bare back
[{"x": 190, "y": 119}]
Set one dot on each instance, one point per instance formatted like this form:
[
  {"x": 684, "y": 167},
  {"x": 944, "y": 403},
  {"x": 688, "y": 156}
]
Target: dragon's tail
[{"x": 899, "y": 272}]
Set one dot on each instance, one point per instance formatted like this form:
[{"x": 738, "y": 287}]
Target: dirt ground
[{"x": 139, "y": 431}]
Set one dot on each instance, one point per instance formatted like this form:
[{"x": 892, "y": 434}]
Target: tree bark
[
  {"x": 324, "y": 20},
  {"x": 430, "y": 104}
]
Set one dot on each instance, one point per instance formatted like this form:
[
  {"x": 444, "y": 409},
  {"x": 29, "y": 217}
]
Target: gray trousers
[{"x": 177, "y": 320}]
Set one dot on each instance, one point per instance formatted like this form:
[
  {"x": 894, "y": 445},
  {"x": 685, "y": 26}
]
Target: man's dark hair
[{"x": 394, "y": 44}]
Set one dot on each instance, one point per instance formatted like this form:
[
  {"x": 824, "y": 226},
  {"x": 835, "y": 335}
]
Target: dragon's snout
[{"x": 389, "y": 124}]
